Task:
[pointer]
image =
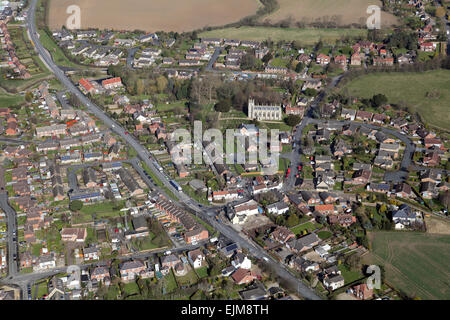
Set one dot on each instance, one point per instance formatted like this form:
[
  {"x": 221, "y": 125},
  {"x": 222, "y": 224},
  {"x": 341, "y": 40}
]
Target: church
[{"x": 263, "y": 111}]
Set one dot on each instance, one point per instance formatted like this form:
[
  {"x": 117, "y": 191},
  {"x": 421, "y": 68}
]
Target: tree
[
  {"x": 353, "y": 262},
  {"x": 75, "y": 205},
  {"x": 292, "y": 220},
  {"x": 299, "y": 67},
  {"x": 223, "y": 105},
  {"x": 310, "y": 92},
  {"x": 379, "y": 100},
  {"x": 267, "y": 57},
  {"x": 29, "y": 96},
  {"x": 440, "y": 12},
  {"x": 293, "y": 120},
  {"x": 161, "y": 83}
]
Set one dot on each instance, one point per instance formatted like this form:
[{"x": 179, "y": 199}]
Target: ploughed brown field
[
  {"x": 345, "y": 12},
  {"x": 152, "y": 15}
]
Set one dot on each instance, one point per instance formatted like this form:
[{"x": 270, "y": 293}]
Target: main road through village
[{"x": 202, "y": 212}]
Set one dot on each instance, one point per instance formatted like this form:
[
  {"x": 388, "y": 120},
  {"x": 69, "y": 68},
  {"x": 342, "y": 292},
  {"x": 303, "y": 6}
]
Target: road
[
  {"x": 145, "y": 156},
  {"x": 23, "y": 280},
  {"x": 11, "y": 234},
  {"x": 213, "y": 59}
]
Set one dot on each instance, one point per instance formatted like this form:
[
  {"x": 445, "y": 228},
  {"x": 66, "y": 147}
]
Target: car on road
[{"x": 266, "y": 259}]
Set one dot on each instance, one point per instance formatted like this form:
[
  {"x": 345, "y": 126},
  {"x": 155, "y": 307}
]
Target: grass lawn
[
  {"x": 189, "y": 279},
  {"x": 104, "y": 209},
  {"x": 324, "y": 234},
  {"x": 202, "y": 272},
  {"x": 349, "y": 276},
  {"x": 41, "y": 290},
  {"x": 410, "y": 89},
  {"x": 415, "y": 263},
  {"x": 131, "y": 288},
  {"x": 57, "y": 54},
  {"x": 307, "y": 36},
  {"x": 308, "y": 226},
  {"x": 11, "y": 100},
  {"x": 170, "y": 282}
]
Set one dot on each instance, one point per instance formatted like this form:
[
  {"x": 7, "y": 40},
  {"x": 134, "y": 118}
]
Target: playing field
[
  {"x": 152, "y": 15},
  {"x": 307, "y": 36},
  {"x": 415, "y": 263},
  {"x": 410, "y": 89},
  {"x": 344, "y": 12}
]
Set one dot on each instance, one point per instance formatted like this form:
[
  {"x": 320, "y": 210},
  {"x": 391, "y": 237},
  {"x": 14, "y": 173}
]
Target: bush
[
  {"x": 75, "y": 205},
  {"x": 293, "y": 120},
  {"x": 223, "y": 105}
]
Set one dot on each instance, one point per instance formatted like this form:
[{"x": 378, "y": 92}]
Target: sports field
[
  {"x": 344, "y": 12},
  {"x": 154, "y": 15},
  {"x": 415, "y": 263},
  {"x": 427, "y": 93},
  {"x": 307, "y": 36}
]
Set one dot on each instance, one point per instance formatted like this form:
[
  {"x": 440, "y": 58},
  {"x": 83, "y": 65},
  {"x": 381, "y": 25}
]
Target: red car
[
  {"x": 287, "y": 172},
  {"x": 126, "y": 132},
  {"x": 299, "y": 167},
  {"x": 258, "y": 277}
]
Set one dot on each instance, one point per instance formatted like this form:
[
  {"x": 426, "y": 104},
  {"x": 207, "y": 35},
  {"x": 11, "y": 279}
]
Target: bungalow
[
  {"x": 428, "y": 190},
  {"x": 348, "y": 114},
  {"x": 364, "y": 116},
  {"x": 282, "y": 235},
  {"x": 344, "y": 220},
  {"x": 325, "y": 209},
  {"x": 361, "y": 177},
  {"x": 73, "y": 234},
  {"x": 378, "y": 187},
  {"x": 278, "y": 208},
  {"x": 304, "y": 243},
  {"x": 433, "y": 142},
  {"x": 403, "y": 190},
  {"x": 243, "y": 276},
  {"x": 327, "y": 197},
  {"x": 310, "y": 198},
  {"x": 379, "y": 118}
]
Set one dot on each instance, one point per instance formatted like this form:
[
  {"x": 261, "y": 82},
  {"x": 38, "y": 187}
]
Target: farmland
[
  {"x": 411, "y": 90},
  {"x": 342, "y": 12},
  {"x": 307, "y": 36},
  {"x": 156, "y": 15},
  {"x": 415, "y": 263}
]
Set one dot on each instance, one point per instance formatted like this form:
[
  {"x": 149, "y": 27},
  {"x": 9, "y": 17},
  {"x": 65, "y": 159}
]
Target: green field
[
  {"x": 57, "y": 54},
  {"x": 410, "y": 89},
  {"x": 415, "y": 263},
  {"x": 307, "y": 36},
  {"x": 11, "y": 100}
]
